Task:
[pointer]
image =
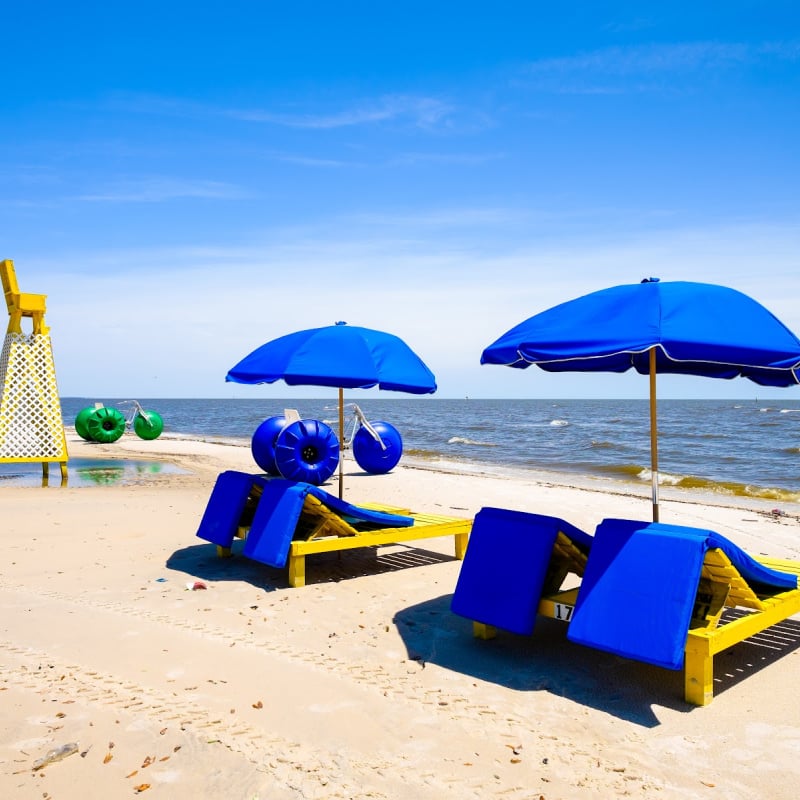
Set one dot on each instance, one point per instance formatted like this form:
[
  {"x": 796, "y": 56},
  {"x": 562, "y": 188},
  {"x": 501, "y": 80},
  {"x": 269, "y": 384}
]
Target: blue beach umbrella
[
  {"x": 342, "y": 356},
  {"x": 672, "y": 327}
]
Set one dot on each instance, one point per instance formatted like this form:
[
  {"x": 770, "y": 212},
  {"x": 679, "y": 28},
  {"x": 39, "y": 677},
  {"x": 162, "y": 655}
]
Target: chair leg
[
  {"x": 297, "y": 570},
  {"x": 462, "y": 540},
  {"x": 483, "y": 631},
  {"x": 698, "y": 671}
]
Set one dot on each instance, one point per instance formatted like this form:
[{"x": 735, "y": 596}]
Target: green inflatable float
[
  {"x": 148, "y": 424},
  {"x": 105, "y": 425},
  {"x": 80, "y": 423}
]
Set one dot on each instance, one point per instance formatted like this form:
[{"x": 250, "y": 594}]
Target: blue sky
[{"x": 186, "y": 181}]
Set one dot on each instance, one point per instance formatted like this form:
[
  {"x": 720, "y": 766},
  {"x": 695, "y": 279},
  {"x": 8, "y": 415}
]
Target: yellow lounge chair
[
  {"x": 710, "y": 633},
  {"x": 649, "y": 591},
  {"x": 283, "y": 521}
]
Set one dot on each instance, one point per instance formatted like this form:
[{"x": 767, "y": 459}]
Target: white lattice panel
[{"x": 31, "y": 426}]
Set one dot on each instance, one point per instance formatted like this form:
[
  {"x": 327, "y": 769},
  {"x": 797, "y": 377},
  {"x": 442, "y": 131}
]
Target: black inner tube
[{"x": 310, "y": 454}]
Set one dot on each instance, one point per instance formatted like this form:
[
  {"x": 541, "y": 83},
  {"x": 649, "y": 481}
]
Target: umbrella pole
[
  {"x": 341, "y": 441},
  {"x": 653, "y": 433}
]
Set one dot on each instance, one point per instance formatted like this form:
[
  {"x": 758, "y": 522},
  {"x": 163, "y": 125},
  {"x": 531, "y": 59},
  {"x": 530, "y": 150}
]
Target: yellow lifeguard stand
[{"x": 31, "y": 425}]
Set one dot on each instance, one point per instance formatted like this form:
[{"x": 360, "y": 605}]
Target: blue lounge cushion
[
  {"x": 504, "y": 568},
  {"x": 225, "y": 506},
  {"x": 761, "y": 578},
  {"x": 640, "y": 584},
  {"x": 278, "y": 512},
  {"x": 275, "y": 522},
  {"x": 349, "y": 511}
]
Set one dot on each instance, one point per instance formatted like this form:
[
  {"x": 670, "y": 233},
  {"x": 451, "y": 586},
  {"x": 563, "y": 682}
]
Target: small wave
[
  {"x": 471, "y": 442},
  {"x": 668, "y": 479},
  {"x": 772, "y": 493},
  {"x": 625, "y": 470},
  {"x": 790, "y": 410},
  {"x": 646, "y": 474},
  {"x": 558, "y": 423},
  {"x": 739, "y": 489},
  {"x": 706, "y": 484},
  {"x": 604, "y": 445},
  {"x": 422, "y": 454}
]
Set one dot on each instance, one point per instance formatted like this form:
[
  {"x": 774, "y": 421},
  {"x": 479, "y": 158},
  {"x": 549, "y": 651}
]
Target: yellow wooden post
[
  {"x": 31, "y": 425},
  {"x": 698, "y": 671},
  {"x": 653, "y": 433},
  {"x": 297, "y": 570},
  {"x": 481, "y": 630},
  {"x": 341, "y": 442}
]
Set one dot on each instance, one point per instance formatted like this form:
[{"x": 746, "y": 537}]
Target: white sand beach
[{"x": 361, "y": 684}]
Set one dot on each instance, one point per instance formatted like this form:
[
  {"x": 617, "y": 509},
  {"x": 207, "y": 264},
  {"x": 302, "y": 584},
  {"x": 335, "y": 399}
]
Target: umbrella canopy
[
  {"x": 672, "y": 327},
  {"x": 342, "y": 356}
]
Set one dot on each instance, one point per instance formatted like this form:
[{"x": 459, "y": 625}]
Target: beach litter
[
  {"x": 779, "y": 515},
  {"x": 194, "y": 586},
  {"x": 57, "y": 754}
]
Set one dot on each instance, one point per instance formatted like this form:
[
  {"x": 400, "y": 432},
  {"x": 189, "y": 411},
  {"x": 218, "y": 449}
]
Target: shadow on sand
[
  {"x": 548, "y": 662},
  {"x": 201, "y": 561}
]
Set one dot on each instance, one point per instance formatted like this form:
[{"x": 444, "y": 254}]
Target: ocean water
[{"x": 746, "y": 448}]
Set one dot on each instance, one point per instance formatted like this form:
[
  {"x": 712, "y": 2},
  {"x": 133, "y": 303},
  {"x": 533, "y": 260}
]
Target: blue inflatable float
[
  {"x": 263, "y": 443},
  {"x": 308, "y": 451},
  {"x": 371, "y": 455}
]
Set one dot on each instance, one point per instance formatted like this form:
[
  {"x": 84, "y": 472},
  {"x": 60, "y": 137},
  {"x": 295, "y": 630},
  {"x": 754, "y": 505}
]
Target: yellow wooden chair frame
[
  {"x": 321, "y": 530},
  {"x": 721, "y": 586}
]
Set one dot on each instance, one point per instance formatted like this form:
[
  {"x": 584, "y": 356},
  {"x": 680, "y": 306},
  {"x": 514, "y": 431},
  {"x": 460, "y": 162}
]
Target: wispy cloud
[
  {"x": 783, "y": 51},
  {"x": 415, "y": 110},
  {"x": 162, "y": 189},
  {"x": 463, "y": 296},
  {"x": 464, "y": 159},
  {"x": 443, "y": 218},
  {"x": 423, "y": 112},
  {"x": 646, "y": 67},
  {"x": 311, "y": 161},
  {"x": 629, "y": 26}
]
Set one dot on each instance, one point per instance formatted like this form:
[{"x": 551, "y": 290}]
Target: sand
[{"x": 362, "y": 684}]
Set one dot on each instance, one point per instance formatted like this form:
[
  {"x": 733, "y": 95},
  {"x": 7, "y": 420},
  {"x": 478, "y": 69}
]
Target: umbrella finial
[{"x": 651, "y": 280}]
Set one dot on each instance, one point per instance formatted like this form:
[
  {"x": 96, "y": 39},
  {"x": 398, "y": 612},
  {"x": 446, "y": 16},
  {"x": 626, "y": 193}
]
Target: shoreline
[
  {"x": 168, "y": 446},
  {"x": 362, "y": 684},
  {"x": 721, "y": 447}
]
